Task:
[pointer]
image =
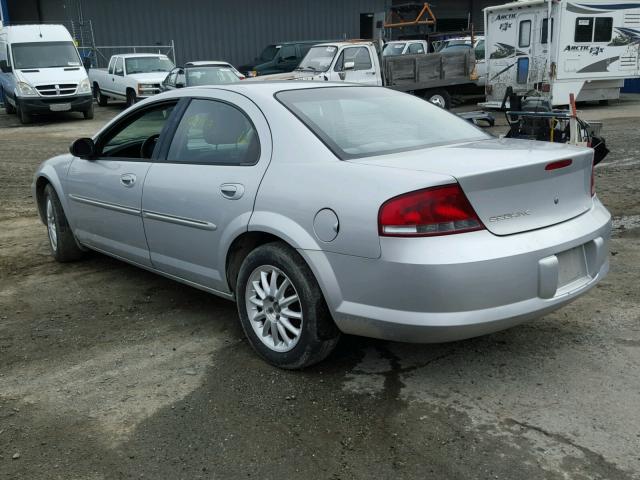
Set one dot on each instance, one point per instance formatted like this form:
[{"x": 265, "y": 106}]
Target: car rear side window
[
  {"x": 216, "y": 133},
  {"x": 358, "y": 122}
]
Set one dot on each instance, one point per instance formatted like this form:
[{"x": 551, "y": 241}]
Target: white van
[
  {"x": 589, "y": 49},
  {"x": 42, "y": 72}
]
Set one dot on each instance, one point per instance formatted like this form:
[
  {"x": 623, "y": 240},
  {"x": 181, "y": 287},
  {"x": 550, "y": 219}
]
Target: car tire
[
  {"x": 440, "y": 98},
  {"x": 10, "y": 109},
  {"x": 62, "y": 242},
  {"x": 24, "y": 117},
  {"x": 88, "y": 114},
  {"x": 131, "y": 98},
  {"x": 102, "y": 100},
  {"x": 270, "y": 313}
]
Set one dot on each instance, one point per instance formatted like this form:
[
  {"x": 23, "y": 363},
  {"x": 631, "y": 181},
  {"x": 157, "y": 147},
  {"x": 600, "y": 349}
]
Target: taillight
[
  {"x": 432, "y": 211},
  {"x": 593, "y": 179}
]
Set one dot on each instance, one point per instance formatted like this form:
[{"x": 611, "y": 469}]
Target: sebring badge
[{"x": 509, "y": 216}]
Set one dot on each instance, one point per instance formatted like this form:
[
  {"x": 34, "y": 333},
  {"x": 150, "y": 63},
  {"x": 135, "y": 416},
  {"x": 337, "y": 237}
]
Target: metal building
[{"x": 232, "y": 30}]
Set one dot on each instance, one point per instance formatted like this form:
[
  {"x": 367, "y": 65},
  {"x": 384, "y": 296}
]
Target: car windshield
[
  {"x": 268, "y": 53},
  {"x": 392, "y": 49},
  {"x": 359, "y": 122},
  {"x": 318, "y": 59},
  {"x": 45, "y": 55},
  {"x": 148, "y": 64},
  {"x": 212, "y": 75}
]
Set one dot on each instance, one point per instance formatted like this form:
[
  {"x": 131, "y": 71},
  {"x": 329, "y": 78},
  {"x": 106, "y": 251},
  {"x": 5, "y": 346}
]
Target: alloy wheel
[
  {"x": 274, "y": 308},
  {"x": 51, "y": 225}
]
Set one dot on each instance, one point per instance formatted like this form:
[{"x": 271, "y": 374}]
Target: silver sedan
[{"x": 325, "y": 208}]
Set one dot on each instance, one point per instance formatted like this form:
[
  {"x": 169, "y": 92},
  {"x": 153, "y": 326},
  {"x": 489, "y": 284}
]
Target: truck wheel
[
  {"x": 282, "y": 309},
  {"x": 24, "y": 117},
  {"x": 102, "y": 100},
  {"x": 131, "y": 98},
  {"x": 7, "y": 106},
  {"x": 440, "y": 98},
  {"x": 88, "y": 114}
]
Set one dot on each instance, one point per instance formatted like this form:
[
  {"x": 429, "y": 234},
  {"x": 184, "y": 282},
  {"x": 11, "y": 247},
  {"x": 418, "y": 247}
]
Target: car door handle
[
  {"x": 128, "y": 179},
  {"x": 232, "y": 191}
]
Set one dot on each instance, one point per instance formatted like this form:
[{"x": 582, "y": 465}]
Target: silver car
[{"x": 326, "y": 208}]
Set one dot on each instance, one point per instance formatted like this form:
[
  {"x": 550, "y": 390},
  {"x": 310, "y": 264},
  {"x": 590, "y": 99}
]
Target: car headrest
[{"x": 223, "y": 126}]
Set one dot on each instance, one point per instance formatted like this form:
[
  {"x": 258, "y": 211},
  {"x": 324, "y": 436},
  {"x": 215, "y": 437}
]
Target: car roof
[
  {"x": 203, "y": 63},
  {"x": 301, "y": 42},
  {"x": 136, "y": 55}
]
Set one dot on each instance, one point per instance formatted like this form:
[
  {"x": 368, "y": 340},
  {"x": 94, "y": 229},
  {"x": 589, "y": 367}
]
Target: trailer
[{"x": 553, "y": 48}]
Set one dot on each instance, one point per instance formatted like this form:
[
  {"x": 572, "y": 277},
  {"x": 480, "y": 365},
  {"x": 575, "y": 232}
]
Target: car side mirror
[
  {"x": 86, "y": 63},
  {"x": 349, "y": 66},
  {"x": 280, "y": 60},
  {"x": 83, "y": 148},
  {"x": 179, "y": 85},
  {"x": 4, "y": 67}
]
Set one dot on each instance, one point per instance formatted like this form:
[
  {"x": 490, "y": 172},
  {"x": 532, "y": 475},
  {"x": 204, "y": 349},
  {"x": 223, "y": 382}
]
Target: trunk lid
[{"x": 506, "y": 181}]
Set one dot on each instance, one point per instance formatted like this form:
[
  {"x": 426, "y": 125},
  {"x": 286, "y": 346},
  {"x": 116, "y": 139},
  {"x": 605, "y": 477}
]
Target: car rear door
[
  {"x": 105, "y": 193},
  {"x": 200, "y": 196}
]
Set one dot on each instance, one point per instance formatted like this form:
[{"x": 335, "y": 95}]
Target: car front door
[
  {"x": 105, "y": 193},
  {"x": 199, "y": 196},
  {"x": 355, "y": 65}
]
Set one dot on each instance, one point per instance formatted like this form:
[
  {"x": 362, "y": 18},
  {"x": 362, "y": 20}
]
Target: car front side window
[
  {"x": 216, "y": 133},
  {"x": 136, "y": 136}
]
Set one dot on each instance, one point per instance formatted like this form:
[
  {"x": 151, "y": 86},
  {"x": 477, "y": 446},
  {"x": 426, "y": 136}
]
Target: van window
[
  {"x": 603, "y": 29},
  {"x": 584, "y": 29},
  {"x": 45, "y": 55},
  {"x": 479, "y": 50},
  {"x": 524, "y": 38},
  {"x": 111, "y": 64},
  {"x": 545, "y": 30}
]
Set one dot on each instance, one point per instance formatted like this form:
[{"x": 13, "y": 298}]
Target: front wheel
[
  {"x": 24, "y": 117},
  {"x": 61, "y": 240},
  {"x": 88, "y": 114},
  {"x": 131, "y": 98},
  {"x": 440, "y": 98},
  {"x": 282, "y": 309}
]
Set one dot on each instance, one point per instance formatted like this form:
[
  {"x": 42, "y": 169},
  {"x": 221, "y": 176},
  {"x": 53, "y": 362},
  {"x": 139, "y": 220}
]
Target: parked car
[
  {"x": 322, "y": 208},
  {"x": 405, "y": 47},
  {"x": 130, "y": 77},
  {"x": 201, "y": 73},
  {"x": 286, "y": 58},
  {"x": 357, "y": 61},
  {"x": 42, "y": 72},
  {"x": 265, "y": 56}
]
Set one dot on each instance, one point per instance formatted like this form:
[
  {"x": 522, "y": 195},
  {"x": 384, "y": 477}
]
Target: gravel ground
[{"x": 108, "y": 371}]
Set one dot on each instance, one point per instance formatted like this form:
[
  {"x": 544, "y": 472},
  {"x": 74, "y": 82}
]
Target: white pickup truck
[
  {"x": 434, "y": 76},
  {"x": 130, "y": 77}
]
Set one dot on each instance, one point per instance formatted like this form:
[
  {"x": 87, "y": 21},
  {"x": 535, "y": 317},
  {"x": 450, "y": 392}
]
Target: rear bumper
[
  {"x": 459, "y": 286},
  {"x": 78, "y": 103}
]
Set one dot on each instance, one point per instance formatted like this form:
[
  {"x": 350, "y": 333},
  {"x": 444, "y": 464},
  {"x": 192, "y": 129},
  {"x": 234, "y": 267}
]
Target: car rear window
[{"x": 357, "y": 122}]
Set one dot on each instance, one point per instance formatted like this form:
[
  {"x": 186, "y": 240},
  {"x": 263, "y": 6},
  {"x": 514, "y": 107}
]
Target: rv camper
[{"x": 587, "y": 48}]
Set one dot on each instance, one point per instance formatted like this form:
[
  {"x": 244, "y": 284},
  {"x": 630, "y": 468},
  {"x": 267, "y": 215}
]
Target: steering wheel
[{"x": 147, "y": 147}]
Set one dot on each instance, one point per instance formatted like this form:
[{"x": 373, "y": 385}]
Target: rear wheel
[
  {"x": 7, "y": 106},
  {"x": 282, "y": 310},
  {"x": 61, "y": 240},
  {"x": 440, "y": 98},
  {"x": 102, "y": 100},
  {"x": 131, "y": 98}
]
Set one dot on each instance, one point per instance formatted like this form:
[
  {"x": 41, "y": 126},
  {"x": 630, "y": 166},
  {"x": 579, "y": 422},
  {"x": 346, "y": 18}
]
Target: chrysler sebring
[{"x": 326, "y": 208}]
